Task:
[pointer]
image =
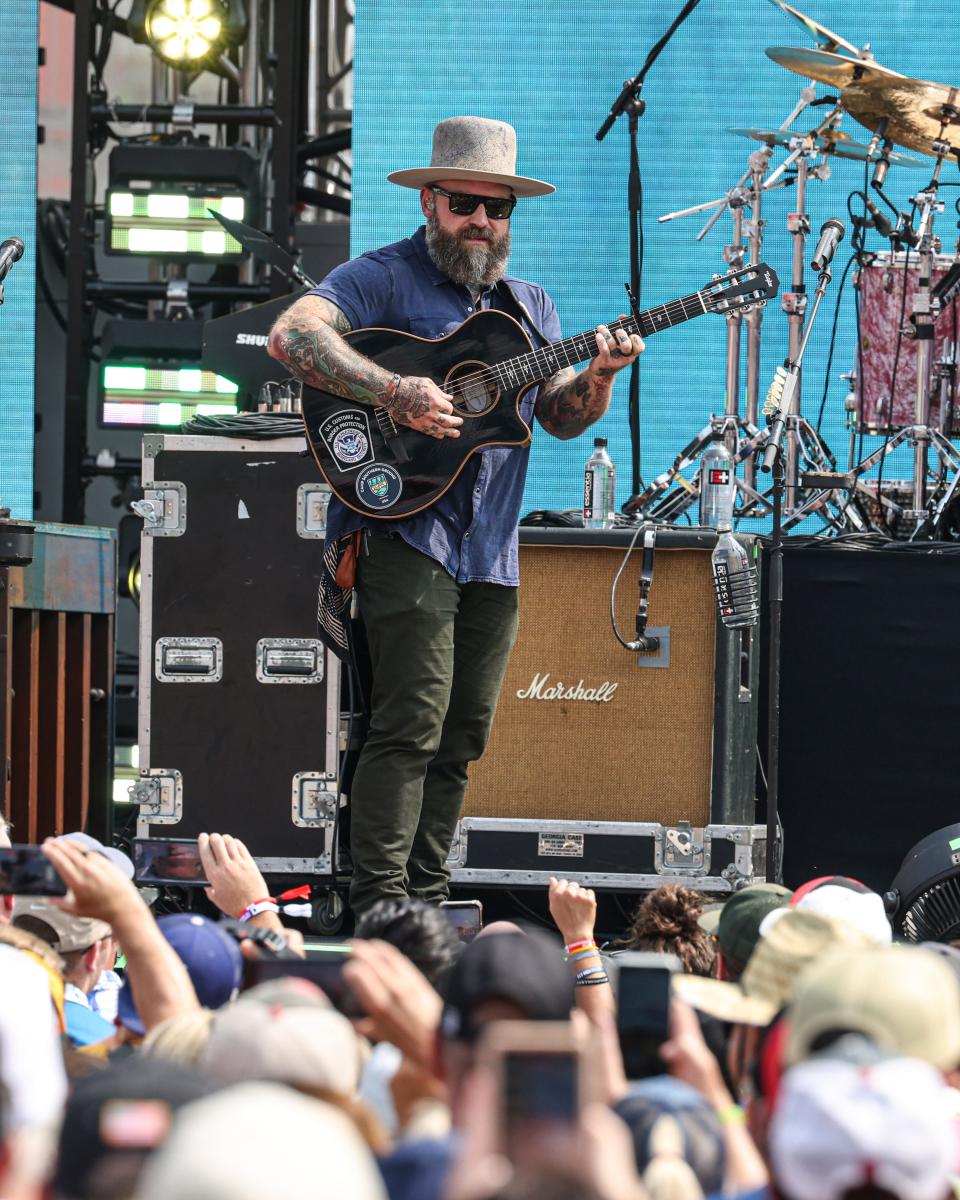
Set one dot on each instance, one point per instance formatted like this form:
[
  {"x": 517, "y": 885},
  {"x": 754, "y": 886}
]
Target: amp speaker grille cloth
[{"x": 646, "y": 754}]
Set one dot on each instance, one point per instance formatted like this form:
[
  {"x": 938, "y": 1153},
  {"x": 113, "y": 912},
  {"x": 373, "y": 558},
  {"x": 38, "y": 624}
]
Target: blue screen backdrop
[
  {"x": 553, "y": 69},
  {"x": 18, "y": 201}
]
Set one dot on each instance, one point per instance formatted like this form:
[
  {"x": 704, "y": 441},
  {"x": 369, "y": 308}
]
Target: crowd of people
[{"x": 805, "y": 1055}]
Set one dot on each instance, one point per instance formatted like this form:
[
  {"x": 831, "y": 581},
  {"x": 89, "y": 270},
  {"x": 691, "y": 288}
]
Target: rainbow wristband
[
  {"x": 583, "y": 944},
  {"x": 586, "y": 952}
]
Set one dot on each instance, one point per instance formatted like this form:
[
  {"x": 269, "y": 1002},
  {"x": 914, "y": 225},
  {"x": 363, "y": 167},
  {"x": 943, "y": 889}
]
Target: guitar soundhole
[{"x": 474, "y": 392}]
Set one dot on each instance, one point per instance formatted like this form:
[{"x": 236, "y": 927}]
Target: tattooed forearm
[
  {"x": 307, "y": 338},
  {"x": 569, "y": 403}
]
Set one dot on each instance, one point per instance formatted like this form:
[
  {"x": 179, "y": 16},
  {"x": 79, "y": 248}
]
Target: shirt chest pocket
[{"x": 433, "y": 326}]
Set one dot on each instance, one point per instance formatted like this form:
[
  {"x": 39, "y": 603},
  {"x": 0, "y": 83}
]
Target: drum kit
[{"x": 903, "y": 383}]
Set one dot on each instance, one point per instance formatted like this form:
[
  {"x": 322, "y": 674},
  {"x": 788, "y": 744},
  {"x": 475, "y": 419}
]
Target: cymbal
[
  {"x": 834, "y": 69},
  {"x": 914, "y": 108},
  {"x": 833, "y": 143},
  {"x": 820, "y": 33}
]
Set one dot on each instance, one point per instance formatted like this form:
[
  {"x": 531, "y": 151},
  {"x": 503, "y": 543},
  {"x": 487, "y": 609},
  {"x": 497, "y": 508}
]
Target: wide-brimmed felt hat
[
  {"x": 473, "y": 148},
  {"x": 771, "y": 974}
]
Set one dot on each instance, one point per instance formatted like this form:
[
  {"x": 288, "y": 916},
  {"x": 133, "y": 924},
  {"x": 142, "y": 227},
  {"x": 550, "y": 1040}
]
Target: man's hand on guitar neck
[
  {"x": 307, "y": 338},
  {"x": 569, "y": 403}
]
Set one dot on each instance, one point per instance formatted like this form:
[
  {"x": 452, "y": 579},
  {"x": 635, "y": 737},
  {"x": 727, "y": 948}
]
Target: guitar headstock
[{"x": 739, "y": 291}]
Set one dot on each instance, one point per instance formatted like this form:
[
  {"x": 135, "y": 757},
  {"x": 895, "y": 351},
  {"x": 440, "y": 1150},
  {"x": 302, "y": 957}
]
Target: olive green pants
[{"x": 439, "y": 650}]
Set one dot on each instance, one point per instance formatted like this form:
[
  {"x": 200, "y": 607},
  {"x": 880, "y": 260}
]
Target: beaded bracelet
[
  {"x": 391, "y": 391},
  {"x": 256, "y": 907}
]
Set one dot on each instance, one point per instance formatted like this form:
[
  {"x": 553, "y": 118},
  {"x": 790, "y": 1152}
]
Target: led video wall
[
  {"x": 18, "y": 195},
  {"x": 553, "y": 71}
]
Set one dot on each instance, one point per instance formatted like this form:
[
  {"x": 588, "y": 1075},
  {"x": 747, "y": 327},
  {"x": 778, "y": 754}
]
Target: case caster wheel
[{"x": 326, "y": 915}]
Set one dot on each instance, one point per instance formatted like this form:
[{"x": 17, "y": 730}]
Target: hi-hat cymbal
[
  {"x": 834, "y": 69},
  {"x": 918, "y": 112},
  {"x": 829, "y": 143},
  {"x": 820, "y": 33}
]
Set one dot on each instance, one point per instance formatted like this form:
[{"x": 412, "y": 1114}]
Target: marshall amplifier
[{"x": 608, "y": 765}]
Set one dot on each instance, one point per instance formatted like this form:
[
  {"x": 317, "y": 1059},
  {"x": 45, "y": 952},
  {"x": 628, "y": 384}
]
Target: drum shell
[{"x": 882, "y": 300}]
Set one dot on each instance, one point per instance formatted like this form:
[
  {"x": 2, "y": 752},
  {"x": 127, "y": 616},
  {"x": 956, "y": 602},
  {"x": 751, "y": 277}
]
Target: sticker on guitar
[
  {"x": 346, "y": 435},
  {"x": 379, "y": 486}
]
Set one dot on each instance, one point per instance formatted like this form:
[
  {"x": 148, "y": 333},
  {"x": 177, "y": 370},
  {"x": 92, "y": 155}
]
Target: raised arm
[
  {"x": 308, "y": 338},
  {"x": 570, "y": 402}
]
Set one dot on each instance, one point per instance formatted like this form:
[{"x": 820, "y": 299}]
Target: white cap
[
  {"x": 864, "y": 910},
  {"x": 120, "y": 860},
  {"x": 838, "y": 1125}
]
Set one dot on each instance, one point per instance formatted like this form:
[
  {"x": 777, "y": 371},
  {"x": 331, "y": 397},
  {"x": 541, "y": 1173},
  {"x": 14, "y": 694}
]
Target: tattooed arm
[
  {"x": 569, "y": 403},
  {"x": 307, "y": 338}
]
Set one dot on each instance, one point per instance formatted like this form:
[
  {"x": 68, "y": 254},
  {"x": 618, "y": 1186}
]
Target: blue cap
[{"x": 212, "y": 958}]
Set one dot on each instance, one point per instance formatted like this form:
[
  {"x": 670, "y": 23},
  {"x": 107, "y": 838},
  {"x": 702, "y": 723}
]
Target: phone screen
[
  {"x": 175, "y": 860},
  {"x": 325, "y": 970},
  {"x": 26, "y": 871},
  {"x": 540, "y": 1104},
  {"x": 643, "y": 1018},
  {"x": 466, "y": 917}
]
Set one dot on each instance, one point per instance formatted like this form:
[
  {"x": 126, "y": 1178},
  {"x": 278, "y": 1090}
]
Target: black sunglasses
[{"x": 462, "y": 204}]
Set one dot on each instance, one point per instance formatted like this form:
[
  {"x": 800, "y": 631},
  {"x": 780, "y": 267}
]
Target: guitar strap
[{"x": 518, "y": 310}]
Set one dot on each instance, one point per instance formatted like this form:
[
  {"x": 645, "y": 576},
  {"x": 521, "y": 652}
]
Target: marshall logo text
[{"x": 541, "y": 689}]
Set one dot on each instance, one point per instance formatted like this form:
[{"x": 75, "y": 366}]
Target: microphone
[
  {"x": 878, "y": 133},
  {"x": 10, "y": 251},
  {"x": 882, "y": 224},
  {"x": 832, "y": 233}
]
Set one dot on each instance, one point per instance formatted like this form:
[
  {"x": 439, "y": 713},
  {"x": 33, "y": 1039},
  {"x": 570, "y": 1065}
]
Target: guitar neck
[{"x": 541, "y": 364}]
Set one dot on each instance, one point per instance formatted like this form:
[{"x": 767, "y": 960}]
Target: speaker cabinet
[{"x": 586, "y": 730}]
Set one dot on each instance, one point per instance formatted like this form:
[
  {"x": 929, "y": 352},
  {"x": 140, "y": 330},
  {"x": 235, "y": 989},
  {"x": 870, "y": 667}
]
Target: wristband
[
  {"x": 391, "y": 391},
  {"x": 584, "y": 944},
  {"x": 589, "y": 952},
  {"x": 256, "y": 907},
  {"x": 731, "y": 1114},
  {"x": 588, "y": 971},
  {"x": 592, "y": 981}
]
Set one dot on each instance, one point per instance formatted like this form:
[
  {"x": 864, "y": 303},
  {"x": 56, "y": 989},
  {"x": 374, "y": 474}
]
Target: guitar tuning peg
[{"x": 717, "y": 277}]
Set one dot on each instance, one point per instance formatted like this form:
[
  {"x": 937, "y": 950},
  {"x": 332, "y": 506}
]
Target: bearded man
[{"x": 437, "y": 591}]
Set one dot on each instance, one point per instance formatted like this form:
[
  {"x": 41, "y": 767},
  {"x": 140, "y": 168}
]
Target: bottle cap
[{"x": 599, "y": 442}]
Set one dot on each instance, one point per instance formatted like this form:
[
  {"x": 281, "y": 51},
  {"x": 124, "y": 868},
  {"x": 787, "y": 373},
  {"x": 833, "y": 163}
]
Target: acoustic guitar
[{"x": 388, "y": 471}]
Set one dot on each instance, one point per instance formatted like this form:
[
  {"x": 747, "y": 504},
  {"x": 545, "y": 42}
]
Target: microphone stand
[
  {"x": 773, "y": 460},
  {"x": 630, "y": 103}
]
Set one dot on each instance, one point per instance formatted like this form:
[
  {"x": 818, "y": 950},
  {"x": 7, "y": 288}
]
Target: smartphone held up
[{"x": 26, "y": 871}]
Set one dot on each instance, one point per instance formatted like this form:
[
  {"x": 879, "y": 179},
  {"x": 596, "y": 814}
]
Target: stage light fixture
[
  {"x": 161, "y": 199},
  {"x": 151, "y": 377},
  {"x": 191, "y": 35},
  {"x": 923, "y": 902}
]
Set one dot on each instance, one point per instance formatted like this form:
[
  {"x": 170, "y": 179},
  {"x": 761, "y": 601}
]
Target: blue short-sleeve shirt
[{"x": 472, "y": 529}]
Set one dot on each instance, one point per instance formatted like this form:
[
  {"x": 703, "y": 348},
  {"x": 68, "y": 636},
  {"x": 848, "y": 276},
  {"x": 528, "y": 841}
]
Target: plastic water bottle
[
  {"x": 599, "y": 488},
  {"x": 718, "y": 486},
  {"x": 736, "y": 581}
]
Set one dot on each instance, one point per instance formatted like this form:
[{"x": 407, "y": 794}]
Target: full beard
[{"x": 475, "y": 267}]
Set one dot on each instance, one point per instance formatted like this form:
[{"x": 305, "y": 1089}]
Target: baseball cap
[
  {"x": 301, "y": 1046},
  {"x": 861, "y": 907},
  {"x": 904, "y": 998},
  {"x": 59, "y": 929},
  {"x": 700, "y": 1142},
  {"x": 770, "y": 977},
  {"x": 841, "y": 1125},
  {"x": 212, "y": 958},
  {"x": 845, "y": 881},
  {"x": 127, "y": 1107},
  {"x": 120, "y": 860},
  {"x": 736, "y": 924},
  {"x": 297, "y": 1140},
  {"x": 526, "y": 969}
]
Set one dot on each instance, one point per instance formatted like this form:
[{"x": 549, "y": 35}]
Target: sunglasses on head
[{"x": 462, "y": 204}]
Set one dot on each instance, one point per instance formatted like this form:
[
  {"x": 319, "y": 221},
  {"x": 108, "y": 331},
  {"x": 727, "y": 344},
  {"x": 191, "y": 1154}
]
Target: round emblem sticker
[
  {"x": 350, "y": 445},
  {"x": 379, "y": 486}
]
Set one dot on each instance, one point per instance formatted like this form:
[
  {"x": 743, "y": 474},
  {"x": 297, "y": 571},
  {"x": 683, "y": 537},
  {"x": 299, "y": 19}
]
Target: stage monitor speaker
[{"x": 586, "y": 730}]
